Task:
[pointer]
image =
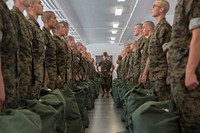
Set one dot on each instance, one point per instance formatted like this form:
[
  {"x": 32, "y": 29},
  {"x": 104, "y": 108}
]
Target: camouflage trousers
[
  {"x": 161, "y": 89},
  {"x": 61, "y": 84},
  {"x": 25, "y": 83},
  {"x": 10, "y": 83},
  {"x": 52, "y": 74},
  {"x": 106, "y": 83},
  {"x": 38, "y": 80},
  {"x": 9, "y": 72},
  {"x": 188, "y": 103},
  {"x": 39, "y": 73}
]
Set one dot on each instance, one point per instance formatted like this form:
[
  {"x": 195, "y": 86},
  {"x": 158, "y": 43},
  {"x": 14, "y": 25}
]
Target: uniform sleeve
[
  {"x": 194, "y": 15},
  {"x": 57, "y": 56}
]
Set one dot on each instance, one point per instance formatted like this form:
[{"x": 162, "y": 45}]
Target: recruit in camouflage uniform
[
  {"x": 9, "y": 48},
  {"x": 148, "y": 29},
  {"x": 158, "y": 66},
  {"x": 68, "y": 70},
  {"x": 25, "y": 55},
  {"x": 129, "y": 76},
  {"x": 120, "y": 70},
  {"x": 158, "y": 63},
  {"x": 68, "y": 74},
  {"x": 137, "y": 59},
  {"x": 77, "y": 62},
  {"x": 186, "y": 20},
  {"x": 125, "y": 62},
  {"x": 38, "y": 51},
  {"x": 69, "y": 63},
  {"x": 86, "y": 70},
  {"x": 126, "y": 65},
  {"x": 92, "y": 73},
  {"x": 144, "y": 58},
  {"x": 107, "y": 68},
  {"x": 61, "y": 55},
  {"x": 50, "y": 58}
]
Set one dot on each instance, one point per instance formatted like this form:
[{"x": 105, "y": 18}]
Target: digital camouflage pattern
[
  {"x": 9, "y": 54},
  {"x": 92, "y": 71},
  {"x": 120, "y": 69},
  {"x": 144, "y": 54},
  {"x": 158, "y": 63},
  {"x": 137, "y": 58},
  {"x": 131, "y": 67},
  {"x": 187, "y": 14},
  {"x": 144, "y": 58},
  {"x": 25, "y": 55},
  {"x": 50, "y": 58},
  {"x": 38, "y": 52},
  {"x": 86, "y": 70},
  {"x": 135, "y": 61},
  {"x": 69, "y": 64},
  {"x": 61, "y": 55},
  {"x": 126, "y": 65},
  {"x": 68, "y": 73},
  {"x": 76, "y": 61}
]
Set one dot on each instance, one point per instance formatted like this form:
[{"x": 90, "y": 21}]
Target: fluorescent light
[
  {"x": 112, "y": 42},
  {"x": 114, "y": 31},
  {"x": 115, "y": 24},
  {"x": 118, "y": 11},
  {"x": 121, "y": 0},
  {"x": 112, "y": 38}
]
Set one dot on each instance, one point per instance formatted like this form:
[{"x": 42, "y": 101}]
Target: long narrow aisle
[{"x": 105, "y": 117}]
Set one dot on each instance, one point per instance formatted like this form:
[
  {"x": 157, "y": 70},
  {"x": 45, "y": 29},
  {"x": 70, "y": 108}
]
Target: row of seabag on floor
[
  {"x": 141, "y": 110},
  {"x": 58, "y": 111}
]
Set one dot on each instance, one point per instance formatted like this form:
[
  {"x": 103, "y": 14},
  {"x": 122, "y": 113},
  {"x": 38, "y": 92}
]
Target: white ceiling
[{"x": 92, "y": 19}]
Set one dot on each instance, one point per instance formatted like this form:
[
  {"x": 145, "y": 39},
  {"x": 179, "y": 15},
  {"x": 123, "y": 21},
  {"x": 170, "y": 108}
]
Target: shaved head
[
  {"x": 150, "y": 23},
  {"x": 47, "y": 15},
  {"x": 164, "y": 4}
]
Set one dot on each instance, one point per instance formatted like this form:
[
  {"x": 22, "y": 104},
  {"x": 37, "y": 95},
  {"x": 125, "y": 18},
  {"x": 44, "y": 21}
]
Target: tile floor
[{"x": 105, "y": 117}]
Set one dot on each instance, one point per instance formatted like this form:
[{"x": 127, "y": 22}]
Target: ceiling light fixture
[
  {"x": 121, "y": 0},
  {"x": 112, "y": 38},
  {"x": 114, "y": 31},
  {"x": 112, "y": 42},
  {"x": 118, "y": 10},
  {"x": 115, "y": 24}
]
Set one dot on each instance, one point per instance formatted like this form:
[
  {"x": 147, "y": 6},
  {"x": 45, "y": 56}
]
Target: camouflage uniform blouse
[
  {"x": 38, "y": 49},
  {"x": 145, "y": 55},
  {"x": 9, "y": 53},
  {"x": 50, "y": 58},
  {"x": 187, "y": 13},
  {"x": 25, "y": 47},
  {"x": 61, "y": 55},
  {"x": 158, "y": 62},
  {"x": 105, "y": 68}
]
